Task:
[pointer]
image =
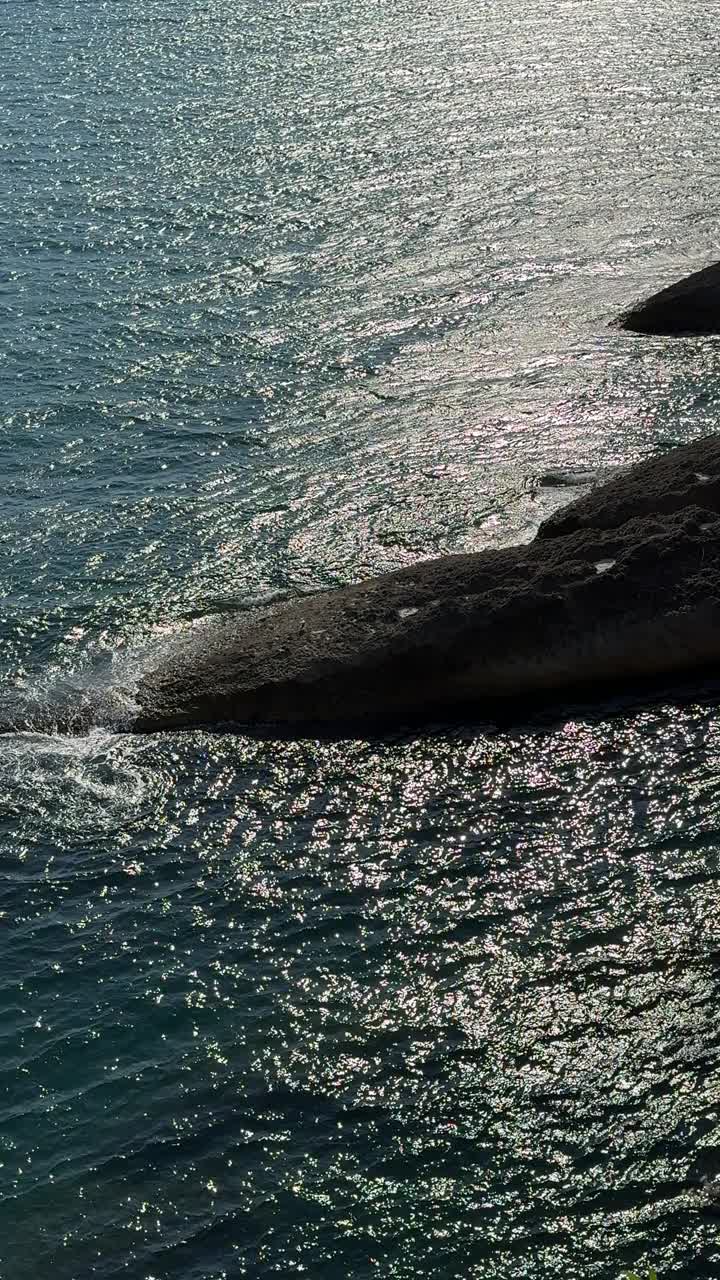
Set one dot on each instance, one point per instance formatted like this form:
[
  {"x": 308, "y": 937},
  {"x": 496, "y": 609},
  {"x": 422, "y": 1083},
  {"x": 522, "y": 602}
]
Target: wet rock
[
  {"x": 680, "y": 478},
  {"x": 692, "y": 306},
  {"x": 592, "y": 608}
]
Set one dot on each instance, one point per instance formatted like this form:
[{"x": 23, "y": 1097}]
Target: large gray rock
[
  {"x": 690, "y": 306},
  {"x": 450, "y": 636},
  {"x": 683, "y": 477}
]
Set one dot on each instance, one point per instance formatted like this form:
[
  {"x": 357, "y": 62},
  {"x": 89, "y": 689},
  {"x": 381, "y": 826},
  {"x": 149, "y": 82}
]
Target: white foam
[
  {"x": 92, "y": 687},
  {"x": 91, "y": 783}
]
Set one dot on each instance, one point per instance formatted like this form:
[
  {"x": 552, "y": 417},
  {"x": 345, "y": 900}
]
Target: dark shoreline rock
[
  {"x": 690, "y": 306},
  {"x": 683, "y": 477},
  {"x": 619, "y": 594},
  {"x": 593, "y": 607}
]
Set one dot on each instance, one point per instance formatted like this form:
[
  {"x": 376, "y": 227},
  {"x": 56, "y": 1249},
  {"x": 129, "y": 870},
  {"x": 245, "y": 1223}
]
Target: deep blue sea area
[{"x": 291, "y": 294}]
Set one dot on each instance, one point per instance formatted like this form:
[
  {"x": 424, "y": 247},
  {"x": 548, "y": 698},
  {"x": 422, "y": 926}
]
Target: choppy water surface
[{"x": 289, "y": 295}]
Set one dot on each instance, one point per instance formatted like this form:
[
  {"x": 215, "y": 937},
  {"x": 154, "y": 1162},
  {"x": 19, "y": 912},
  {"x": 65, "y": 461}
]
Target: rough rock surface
[
  {"x": 690, "y": 306},
  {"x": 594, "y": 607},
  {"x": 684, "y": 477}
]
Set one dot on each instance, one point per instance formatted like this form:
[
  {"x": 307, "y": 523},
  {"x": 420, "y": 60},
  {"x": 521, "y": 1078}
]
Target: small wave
[
  {"x": 97, "y": 692},
  {"x": 578, "y": 479},
  {"x": 68, "y": 762},
  {"x": 77, "y": 784}
]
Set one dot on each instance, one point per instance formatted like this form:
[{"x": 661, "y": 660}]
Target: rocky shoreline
[
  {"x": 621, "y": 585},
  {"x": 690, "y": 306}
]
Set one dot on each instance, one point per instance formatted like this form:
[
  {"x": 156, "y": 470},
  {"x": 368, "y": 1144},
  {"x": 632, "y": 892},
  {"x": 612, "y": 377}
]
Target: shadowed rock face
[
  {"x": 690, "y": 306},
  {"x": 594, "y": 606},
  {"x": 684, "y": 477}
]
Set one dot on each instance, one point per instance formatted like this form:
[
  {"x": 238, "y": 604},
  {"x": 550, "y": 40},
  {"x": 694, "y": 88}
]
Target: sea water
[{"x": 290, "y": 295}]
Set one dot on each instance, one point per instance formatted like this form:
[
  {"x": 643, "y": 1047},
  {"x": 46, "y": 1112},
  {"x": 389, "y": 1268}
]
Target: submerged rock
[
  {"x": 683, "y": 477},
  {"x": 690, "y": 306},
  {"x": 593, "y": 607}
]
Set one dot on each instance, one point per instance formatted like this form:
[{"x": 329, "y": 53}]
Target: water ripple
[{"x": 286, "y": 298}]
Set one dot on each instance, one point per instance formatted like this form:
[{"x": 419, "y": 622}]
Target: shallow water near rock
[{"x": 289, "y": 298}]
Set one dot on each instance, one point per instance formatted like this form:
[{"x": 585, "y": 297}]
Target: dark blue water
[{"x": 290, "y": 295}]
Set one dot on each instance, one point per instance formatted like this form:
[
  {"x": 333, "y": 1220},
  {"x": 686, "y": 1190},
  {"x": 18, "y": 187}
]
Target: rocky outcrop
[
  {"x": 594, "y": 607},
  {"x": 690, "y": 306},
  {"x": 680, "y": 478}
]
